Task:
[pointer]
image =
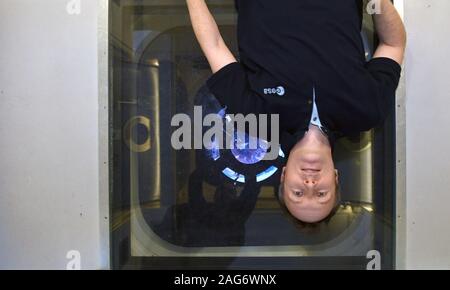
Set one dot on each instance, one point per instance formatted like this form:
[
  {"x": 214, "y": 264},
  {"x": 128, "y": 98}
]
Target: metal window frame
[
  {"x": 104, "y": 61},
  {"x": 104, "y": 146}
]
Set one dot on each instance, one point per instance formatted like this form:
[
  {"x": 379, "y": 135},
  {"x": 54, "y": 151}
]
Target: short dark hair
[{"x": 304, "y": 225}]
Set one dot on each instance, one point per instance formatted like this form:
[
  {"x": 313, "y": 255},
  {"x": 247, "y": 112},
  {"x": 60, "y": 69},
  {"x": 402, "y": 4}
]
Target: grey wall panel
[
  {"x": 49, "y": 157},
  {"x": 427, "y": 134}
]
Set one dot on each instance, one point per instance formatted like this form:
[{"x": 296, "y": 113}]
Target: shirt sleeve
[
  {"x": 385, "y": 74},
  {"x": 231, "y": 87}
]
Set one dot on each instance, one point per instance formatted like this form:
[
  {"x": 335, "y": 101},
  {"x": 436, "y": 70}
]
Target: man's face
[{"x": 310, "y": 182}]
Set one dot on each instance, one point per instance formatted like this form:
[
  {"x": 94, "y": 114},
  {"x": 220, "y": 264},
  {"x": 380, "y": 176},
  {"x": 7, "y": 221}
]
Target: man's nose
[{"x": 311, "y": 180}]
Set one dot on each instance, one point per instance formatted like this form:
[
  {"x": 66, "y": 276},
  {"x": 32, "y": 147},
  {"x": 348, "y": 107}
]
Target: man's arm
[
  {"x": 391, "y": 32},
  {"x": 208, "y": 35}
]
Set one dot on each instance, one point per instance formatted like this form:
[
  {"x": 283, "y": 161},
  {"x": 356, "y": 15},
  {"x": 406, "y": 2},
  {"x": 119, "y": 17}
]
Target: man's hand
[
  {"x": 208, "y": 35},
  {"x": 391, "y": 32}
]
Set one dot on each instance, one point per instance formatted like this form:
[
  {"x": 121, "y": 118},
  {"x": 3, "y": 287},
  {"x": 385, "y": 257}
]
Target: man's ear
[
  {"x": 337, "y": 175},
  {"x": 282, "y": 174}
]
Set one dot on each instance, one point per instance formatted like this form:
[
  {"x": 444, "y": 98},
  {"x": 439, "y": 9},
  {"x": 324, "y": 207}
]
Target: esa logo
[{"x": 279, "y": 91}]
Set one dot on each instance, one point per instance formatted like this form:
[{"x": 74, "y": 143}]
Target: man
[{"x": 304, "y": 60}]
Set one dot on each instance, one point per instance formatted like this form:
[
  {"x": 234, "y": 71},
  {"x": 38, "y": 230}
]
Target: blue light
[
  {"x": 247, "y": 150},
  {"x": 233, "y": 175},
  {"x": 213, "y": 150},
  {"x": 266, "y": 173},
  {"x": 242, "y": 151}
]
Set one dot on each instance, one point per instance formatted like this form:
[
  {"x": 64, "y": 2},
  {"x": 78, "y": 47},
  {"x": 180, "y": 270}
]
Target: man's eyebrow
[
  {"x": 323, "y": 190},
  {"x": 293, "y": 189}
]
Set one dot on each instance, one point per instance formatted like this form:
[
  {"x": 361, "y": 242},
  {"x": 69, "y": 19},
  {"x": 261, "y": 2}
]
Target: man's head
[{"x": 309, "y": 182}]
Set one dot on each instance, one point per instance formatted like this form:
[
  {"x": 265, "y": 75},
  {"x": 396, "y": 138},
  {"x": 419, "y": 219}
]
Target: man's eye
[
  {"x": 298, "y": 193},
  {"x": 321, "y": 194}
]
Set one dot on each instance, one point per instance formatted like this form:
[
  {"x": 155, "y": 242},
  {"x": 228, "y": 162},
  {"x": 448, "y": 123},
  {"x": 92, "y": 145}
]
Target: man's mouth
[{"x": 311, "y": 170}]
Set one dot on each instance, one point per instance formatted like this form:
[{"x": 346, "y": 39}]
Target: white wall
[
  {"x": 49, "y": 157},
  {"x": 428, "y": 134}
]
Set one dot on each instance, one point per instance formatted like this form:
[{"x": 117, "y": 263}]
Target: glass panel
[{"x": 172, "y": 209}]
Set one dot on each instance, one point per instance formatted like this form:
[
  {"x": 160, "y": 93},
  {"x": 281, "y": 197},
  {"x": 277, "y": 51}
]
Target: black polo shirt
[{"x": 289, "y": 47}]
